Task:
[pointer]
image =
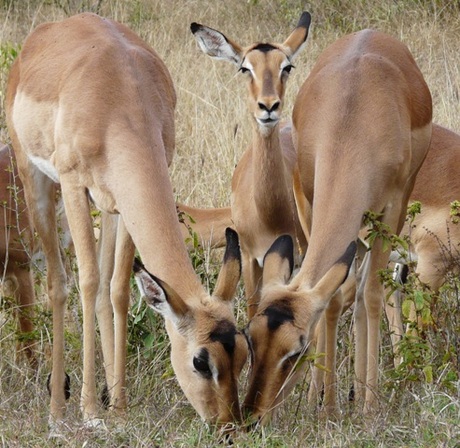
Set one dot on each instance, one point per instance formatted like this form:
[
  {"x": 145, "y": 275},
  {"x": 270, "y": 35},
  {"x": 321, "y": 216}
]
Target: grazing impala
[
  {"x": 16, "y": 247},
  {"x": 90, "y": 105},
  {"x": 433, "y": 239},
  {"x": 262, "y": 202},
  {"x": 362, "y": 127}
]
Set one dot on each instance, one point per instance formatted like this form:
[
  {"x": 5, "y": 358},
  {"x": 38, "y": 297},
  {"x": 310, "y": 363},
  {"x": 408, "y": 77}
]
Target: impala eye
[
  {"x": 297, "y": 360},
  {"x": 201, "y": 364},
  {"x": 244, "y": 70},
  {"x": 287, "y": 69}
]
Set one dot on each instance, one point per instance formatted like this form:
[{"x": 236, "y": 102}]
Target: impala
[
  {"x": 433, "y": 239},
  {"x": 16, "y": 248},
  {"x": 262, "y": 201},
  {"x": 91, "y": 106},
  {"x": 361, "y": 127}
]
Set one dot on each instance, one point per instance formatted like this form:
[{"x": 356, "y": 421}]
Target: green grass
[{"x": 213, "y": 129}]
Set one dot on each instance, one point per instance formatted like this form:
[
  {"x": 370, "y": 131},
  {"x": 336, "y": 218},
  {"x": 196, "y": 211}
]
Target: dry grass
[{"x": 213, "y": 129}]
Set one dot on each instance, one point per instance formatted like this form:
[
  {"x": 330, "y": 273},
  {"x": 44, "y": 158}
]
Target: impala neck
[
  {"x": 146, "y": 203},
  {"x": 336, "y": 221},
  {"x": 272, "y": 186}
]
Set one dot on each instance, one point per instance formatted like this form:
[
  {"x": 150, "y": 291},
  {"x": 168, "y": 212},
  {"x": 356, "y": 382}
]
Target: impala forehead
[
  {"x": 273, "y": 60},
  {"x": 282, "y": 327},
  {"x": 225, "y": 333},
  {"x": 279, "y": 313}
]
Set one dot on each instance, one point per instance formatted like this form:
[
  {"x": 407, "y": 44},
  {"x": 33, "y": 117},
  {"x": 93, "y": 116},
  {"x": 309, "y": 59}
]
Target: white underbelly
[{"x": 34, "y": 123}]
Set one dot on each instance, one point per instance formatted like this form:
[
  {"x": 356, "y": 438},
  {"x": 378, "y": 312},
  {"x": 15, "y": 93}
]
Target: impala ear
[
  {"x": 230, "y": 273},
  {"x": 215, "y": 44},
  {"x": 160, "y": 296},
  {"x": 294, "y": 43},
  {"x": 337, "y": 274},
  {"x": 279, "y": 261}
]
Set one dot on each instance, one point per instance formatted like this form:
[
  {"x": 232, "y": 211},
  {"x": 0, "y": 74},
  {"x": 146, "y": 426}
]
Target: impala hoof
[
  {"x": 95, "y": 423},
  {"x": 57, "y": 430}
]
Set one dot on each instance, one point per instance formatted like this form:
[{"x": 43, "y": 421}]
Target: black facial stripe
[
  {"x": 225, "y": 333},
  {"x": 264, "y": 47},
  {"x": 278, "y": 313},
  {"x": 258, "y": 384}
]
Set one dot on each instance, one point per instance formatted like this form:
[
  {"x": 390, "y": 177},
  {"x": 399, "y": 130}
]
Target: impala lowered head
[
  {"x": 267, "y": 65},
  {"x": 280, "y": 333},
  {"x": 207, "y": 351}
]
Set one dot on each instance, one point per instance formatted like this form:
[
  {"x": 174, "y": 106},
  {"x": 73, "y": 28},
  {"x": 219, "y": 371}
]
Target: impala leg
[
  {"x": 104, "y": 310},
  {"x": 333, "y": 313},
  {"x": 81, "y": 227},
  {"x": 40, "y": 195},
  {"x": 26, "y": 300},
  {"x": 373, "y": 299},
  {"x": 395, "y": 324},
  {"x": 124, "y": 255},
  {"x": 252, "y": 277},
  {"x": 360, "y": 320},
  {"x": 40, "y": 198},
  {"x": 317, "y": 374}
]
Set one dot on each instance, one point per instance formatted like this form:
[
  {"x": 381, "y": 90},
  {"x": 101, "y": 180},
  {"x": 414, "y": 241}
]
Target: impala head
[
  {"x": 207, "y": 351},
  {"x": 281, "y": 331},
  {"x": 267, "y": 66}
]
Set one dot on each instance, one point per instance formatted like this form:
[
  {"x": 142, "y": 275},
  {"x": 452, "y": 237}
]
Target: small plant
[
  {"x": 379, "y": 230},
  {"x": 430, "y": 349}
]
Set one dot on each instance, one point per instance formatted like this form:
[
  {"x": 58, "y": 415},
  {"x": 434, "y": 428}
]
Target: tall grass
[{"x": 213, "y": 129}]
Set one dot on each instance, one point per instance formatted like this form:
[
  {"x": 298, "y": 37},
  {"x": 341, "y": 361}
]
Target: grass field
[{"x": 213, "y": 129}]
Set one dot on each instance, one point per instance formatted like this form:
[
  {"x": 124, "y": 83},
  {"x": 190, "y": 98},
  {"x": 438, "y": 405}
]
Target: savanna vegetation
[{"x": 419, "y": 402}]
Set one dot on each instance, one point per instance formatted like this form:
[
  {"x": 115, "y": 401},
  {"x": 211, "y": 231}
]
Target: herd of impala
[{"x": 90, "y": 106}]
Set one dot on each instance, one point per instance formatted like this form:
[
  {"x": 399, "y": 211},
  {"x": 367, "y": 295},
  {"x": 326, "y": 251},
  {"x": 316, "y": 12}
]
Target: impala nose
[{"x": 267, "y": 108}]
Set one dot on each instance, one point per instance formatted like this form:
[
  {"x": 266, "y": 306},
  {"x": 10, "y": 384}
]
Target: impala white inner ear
[
  {"x": 151, "y": 291},
  {"x": 214, "y": 44},
  {"x": 154, "y": 295}
]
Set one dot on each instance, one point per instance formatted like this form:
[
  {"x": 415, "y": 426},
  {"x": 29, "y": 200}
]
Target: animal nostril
[{"x": 263, "y": 107}]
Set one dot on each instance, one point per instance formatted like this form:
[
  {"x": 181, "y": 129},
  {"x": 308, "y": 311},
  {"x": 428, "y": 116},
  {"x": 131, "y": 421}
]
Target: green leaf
[
  {"x": 419, "y": 300},
  {"x": 406, "y": 307},
  {"x": 426, "y": 316},
  {"x": 428, "y": 372},
  {"x": 149, "y": 340}
]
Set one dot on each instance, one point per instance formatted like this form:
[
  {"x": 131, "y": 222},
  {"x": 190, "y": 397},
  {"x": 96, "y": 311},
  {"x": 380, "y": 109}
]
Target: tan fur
[
  {"x": 16, "y": 248},
  {"x": 91, "y": 105},
  {"x": 432, "y": 233},
  {"x": 362, "y": 127},
  {"x": 208, "y": 224},
  {"x": 262, "y": 201},
  {"x": 263, "y": 206}
]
